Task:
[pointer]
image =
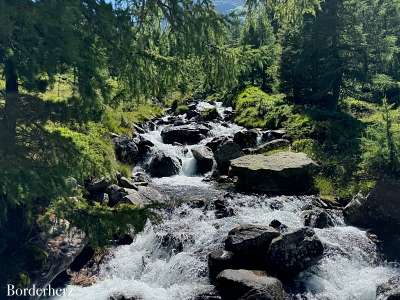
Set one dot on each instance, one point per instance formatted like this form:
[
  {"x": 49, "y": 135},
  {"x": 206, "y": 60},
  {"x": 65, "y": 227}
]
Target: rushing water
[{"x": 350, "y": 269}]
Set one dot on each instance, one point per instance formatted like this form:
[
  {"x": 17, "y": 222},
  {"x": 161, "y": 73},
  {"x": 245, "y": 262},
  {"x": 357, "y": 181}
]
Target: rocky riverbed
[{"x": 226, "y": 231}]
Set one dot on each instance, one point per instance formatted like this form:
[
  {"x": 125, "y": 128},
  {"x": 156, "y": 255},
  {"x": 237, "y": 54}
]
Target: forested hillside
[{"x": 83, "y": 83}]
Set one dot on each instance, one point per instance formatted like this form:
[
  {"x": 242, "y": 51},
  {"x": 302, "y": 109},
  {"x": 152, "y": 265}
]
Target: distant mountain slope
[{"x": 225, "y": 6}]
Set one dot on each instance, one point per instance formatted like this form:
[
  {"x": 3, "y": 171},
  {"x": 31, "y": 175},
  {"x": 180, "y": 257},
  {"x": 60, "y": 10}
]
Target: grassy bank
[{"x": 350, "y": 143}]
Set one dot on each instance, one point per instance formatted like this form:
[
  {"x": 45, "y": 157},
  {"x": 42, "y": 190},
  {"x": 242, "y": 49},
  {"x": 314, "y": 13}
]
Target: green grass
[
  {"x": 335, "y": 139},
  {"x": 256, "y": 108}
]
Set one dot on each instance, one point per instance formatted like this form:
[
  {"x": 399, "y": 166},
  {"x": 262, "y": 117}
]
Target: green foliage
[
  {"x": 255, "y": 108},
  {"x": 100, "y": 223},
  {"x": 181, "y": 109},
  {"x": 380, "y": 145}
]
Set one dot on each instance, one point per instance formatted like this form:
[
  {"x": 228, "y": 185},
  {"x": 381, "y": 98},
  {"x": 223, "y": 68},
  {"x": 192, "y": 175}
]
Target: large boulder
[
  {"x": 164, "y": 165},
  {"x": 142, "y": 197},
  {"x": 217, "y": 141},
  {"x": 250, "y": 241},
  {"x": 293, "y": 252},
  {"x": 317, "y": 218},
  {"x": 185, "y": 134},
  {"x": 241, "y": 284},
  {"x": 126, "y": 149},
  {"x": 62, "y": 244},
  {"x": 389, "y": 290},
  {"x": 225, "y": 152},
  {"x": 210, "y": 114},
  {"x": 204, "y": 158},
  {"x": 280, "y": 173},
  {"x": 271, "y": 135},
  {"x": 218, "y": 261},
  {"x": 246, "y": 139},
  {"x": 380, "y": 210}
]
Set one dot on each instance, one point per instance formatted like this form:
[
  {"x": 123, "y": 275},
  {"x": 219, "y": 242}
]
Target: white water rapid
[{"x": 351, "y": 268}]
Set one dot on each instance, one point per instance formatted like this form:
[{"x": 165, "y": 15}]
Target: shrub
[{"x": 255, "y": 108}]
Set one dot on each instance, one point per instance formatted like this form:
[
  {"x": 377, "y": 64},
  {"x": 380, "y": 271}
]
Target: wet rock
[
  {"x": 280, "y": 173},
  {"x": 229, "y": 114},
  {"x": 192, "y": 113},
  {"x": 125, "y": 239},
  {"x": 242, "y": 284},
  {"x": 269, "y": 146},
  {"x": 389, "y": 290},
  {"x": 271, "y": 135},
  {"x": 164, "y": 165},
  {"x": 218, "y": 261},
  {"x": 216, "y": 142},
  {"x": 62, "y": 244},
  {"x": 126, "y": 183},
  {"x": 172, "y": 243},
  {"x": 126, "y": 150},
  {"x": 82, "y": 259},
  {"x": 152, "y": 195},
  {"x": 97, "y": 186},
  {"x": 138, "y": 129},
  {"x": 317, "y": 218},
  {"x": 246, "y": 139},
  {"x": 115, "y": 194},
  {"x": 380, "y": 210},
  {"x": 144, "y": 146},
  {"x": 226, "y": 152},
  {"x": 197, "y": 203},
  {"x": 141, "y": 177},
  {"x": 250, "y": 241},
  {"x": 294, "y": 252},
  {"x": 278, "y": 226},
  {"x": 185, "y": 134},
  {"x": 204, "y": 157},
  {"x": 222, "y": 209},
  {"x": 101, "y": 198},
  {"x": 210, "y": 114}
]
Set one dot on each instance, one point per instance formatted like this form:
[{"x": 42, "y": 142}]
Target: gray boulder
[
  {"x": 218, "y": 261},
  {"x": 115, "y": 194},
  {"x": 142, "y": 197},
  {"x": 280, "y": 173},
  {"x": 246, "y": 139},
  {"x": 250, "y": 240},
  {"x": 126, "y": 183},
  {"x": 317, "y": 218},
  {"x": 226, "y": 152},
  {"x": 204, "y": 158},
  {"x": 293, "y": 252},
  {"x": 164, "y": 165},
  {"x": 62, "y": 244},
  {"x": 126, "y": 149},
  {"x": 271, "y": 135},
  {"x": 97, "y": 186},
  {"x": 184, "y": 134},
  {"x": 216, "y": 142},
  {"x": 380, "y": 210},
  {"x": 241, "y": 284}
]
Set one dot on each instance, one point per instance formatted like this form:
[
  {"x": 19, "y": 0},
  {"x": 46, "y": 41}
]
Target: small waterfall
[
  {"x": 350, "y": 269},
  {"x": 189, "y": 165}
]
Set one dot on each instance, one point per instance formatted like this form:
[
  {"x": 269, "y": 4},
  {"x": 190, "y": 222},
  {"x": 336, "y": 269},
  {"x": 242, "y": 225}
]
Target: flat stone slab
[{"x": 278, "y": 173}]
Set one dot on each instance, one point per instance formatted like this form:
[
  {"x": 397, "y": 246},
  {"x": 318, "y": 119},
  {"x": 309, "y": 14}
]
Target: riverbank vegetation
[{"x": 74, "y": 72}]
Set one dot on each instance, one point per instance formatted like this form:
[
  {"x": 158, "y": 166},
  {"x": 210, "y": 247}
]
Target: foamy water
[{"x": 350, "y": 269}]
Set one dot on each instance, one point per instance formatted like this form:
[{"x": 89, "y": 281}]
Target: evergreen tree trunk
[{"x": 10, "y": 110}]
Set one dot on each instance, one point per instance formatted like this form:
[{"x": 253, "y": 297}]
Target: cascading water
[{"x": 150, "y": 270}]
